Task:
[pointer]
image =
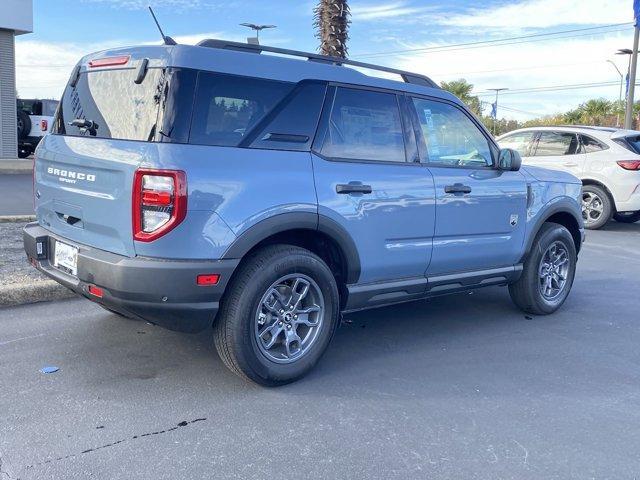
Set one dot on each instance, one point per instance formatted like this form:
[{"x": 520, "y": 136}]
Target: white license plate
[{"x": 66, "y": 258}]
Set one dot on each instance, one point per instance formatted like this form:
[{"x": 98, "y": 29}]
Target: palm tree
[
  {"x": 331, "y": 20},
  {"x": 595, "y": 111},
  {"x": 462, "y": 89}
]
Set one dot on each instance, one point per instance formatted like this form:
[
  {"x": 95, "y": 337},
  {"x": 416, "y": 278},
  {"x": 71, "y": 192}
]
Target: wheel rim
[
  {"x": 592, "y": 207},
  {"x": 289, "y": 318},
  {"x": 553, "y": 271}
]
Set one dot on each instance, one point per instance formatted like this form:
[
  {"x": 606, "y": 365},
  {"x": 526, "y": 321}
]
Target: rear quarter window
[{"x": 228, "y": 107}]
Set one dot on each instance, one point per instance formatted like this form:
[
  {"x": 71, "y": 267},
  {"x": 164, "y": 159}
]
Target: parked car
[
  {"x": 216, "y": 185},
  {"x": 607, "y": 160},
  {"x": 35, "y": 118}
]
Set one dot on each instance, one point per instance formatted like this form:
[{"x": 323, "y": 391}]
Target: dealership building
[{"x": 16, "y": 19}]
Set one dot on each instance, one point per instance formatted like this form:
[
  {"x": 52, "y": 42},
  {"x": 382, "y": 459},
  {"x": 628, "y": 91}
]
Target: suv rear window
[
  {"x": 119, "y": 107},
  {"x": 227, "y": 107}
]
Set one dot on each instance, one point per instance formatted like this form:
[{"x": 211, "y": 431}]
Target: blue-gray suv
[{"x": 263, "y": 192}]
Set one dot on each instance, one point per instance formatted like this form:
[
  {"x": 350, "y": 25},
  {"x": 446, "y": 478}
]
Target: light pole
[
  {"x": 620, "y": 95},
  {"x": 257, "y": 28},
  {"x": 631, "y": 78},
  {"x": 495, "y": 107}
]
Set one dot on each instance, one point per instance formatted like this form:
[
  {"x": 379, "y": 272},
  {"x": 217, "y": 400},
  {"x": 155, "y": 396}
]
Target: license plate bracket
[{"x": 65, "y": 258}]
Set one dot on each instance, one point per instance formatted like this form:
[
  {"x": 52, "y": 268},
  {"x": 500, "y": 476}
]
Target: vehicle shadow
[{"x": 614, "y": 226}]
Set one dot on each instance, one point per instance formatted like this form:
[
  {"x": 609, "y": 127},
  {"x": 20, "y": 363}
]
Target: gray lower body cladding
[{"x": 161, "y": 291}]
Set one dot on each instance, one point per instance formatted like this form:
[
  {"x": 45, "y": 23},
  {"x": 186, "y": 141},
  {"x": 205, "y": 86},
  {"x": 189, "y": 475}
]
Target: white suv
[{"x": 607, "y": 160}]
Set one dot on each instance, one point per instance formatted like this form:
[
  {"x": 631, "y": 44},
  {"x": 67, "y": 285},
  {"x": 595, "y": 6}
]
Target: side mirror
[{"x": 509, "y": 160}]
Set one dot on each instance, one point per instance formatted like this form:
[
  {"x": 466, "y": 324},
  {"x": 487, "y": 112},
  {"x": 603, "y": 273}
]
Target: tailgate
[{"x": 83, "y": 190}]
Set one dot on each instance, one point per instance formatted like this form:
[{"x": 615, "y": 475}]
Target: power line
[
  {"x": 535, "y": 67},
  {"x": 484, "y": 43},
  {"x": 551, "y": 88}
]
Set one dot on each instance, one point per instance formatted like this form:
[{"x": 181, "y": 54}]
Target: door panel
[
  {"x": 480, "y": 211},
  {"x": 393, "y": 225},
  {"x": 364, "y": 182},
  {"x": 474, "y": 230}
]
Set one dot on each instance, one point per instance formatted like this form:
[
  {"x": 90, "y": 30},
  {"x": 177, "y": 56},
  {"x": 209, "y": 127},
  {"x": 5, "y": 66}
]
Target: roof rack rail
[{"x": 408, "y": 77}]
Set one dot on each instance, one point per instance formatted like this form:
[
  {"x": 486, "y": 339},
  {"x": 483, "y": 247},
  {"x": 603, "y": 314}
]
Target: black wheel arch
[
  {"x": 321, "y": 234},
  {"x": 561, "y": 213}
]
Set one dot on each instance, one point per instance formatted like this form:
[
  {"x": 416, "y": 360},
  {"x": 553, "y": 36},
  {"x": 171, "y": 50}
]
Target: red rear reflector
[
  {"x": 150, "y": 197},
  {"x": 44, "y": 125},
  {"x": 109, "y": 61},
  {"x": 208, "y": 279},
  {"x": 629, "y": 164},
  {"x": 95, "y": 291}
]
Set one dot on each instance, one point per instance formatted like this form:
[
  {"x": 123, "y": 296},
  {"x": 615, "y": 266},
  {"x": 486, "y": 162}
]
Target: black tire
[
  {"x": 602, "y": 199},
  {"x": 526, "y": 292},
  {"x": 234, "y": 329},
  {"x": 627, "y": 217},
  {"x": 24, "y": 124}
]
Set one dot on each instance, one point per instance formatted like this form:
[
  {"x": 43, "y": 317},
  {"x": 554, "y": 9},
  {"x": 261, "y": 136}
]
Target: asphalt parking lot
[{"x": 461, "y": 387}]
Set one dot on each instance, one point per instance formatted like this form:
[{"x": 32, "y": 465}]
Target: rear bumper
[
  {"x": 632, "y": 203},
  {"x": 161, "y": 291}
]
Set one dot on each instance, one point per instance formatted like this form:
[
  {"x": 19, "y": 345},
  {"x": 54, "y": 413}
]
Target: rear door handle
[
  {"x": 457, "y": 188},
  {"x": 346, "y": 188},
  {"x": 570, "y": 164}
]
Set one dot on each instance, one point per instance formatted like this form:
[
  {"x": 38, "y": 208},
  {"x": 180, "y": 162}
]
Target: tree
[
  {"x": 331, "y": 20},
  {"x": 462, "y": 89},
  {"x": 595, "y": 111}
]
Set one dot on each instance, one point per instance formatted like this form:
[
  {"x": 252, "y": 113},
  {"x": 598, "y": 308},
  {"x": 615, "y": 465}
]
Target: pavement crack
[{"x": 184, "y": 423}]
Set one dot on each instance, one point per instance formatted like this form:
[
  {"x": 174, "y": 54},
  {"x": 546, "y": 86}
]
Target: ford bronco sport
[{"x": 263, "y": 195}]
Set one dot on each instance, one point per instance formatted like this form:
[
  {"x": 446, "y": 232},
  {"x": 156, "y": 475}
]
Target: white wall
[{"x": 16, "y": 15}]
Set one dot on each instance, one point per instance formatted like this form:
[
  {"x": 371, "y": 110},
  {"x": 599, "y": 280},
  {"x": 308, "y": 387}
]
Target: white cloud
[
  {"x": 384, "y": 11},
  {"x": 544, "y": 14},
  {"x": 527, "y": 65}
]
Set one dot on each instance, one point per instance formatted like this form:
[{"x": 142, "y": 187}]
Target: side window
[
  {"x": 556, "y": 143},
  {"x": 590, "y": 145},
  {"x": 450, "y": 136},
  {"x": 364, "y": 125},
  {"x": 227, "y": 107},
  {"x": 520, "y": 142}
]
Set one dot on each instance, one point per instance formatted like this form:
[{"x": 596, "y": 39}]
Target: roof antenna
[{"x": 167, "y": 40}]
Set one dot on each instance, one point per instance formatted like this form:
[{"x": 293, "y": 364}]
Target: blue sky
[{"x": 382, "y": 31}]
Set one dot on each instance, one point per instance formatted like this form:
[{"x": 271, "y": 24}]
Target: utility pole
[
  {"x": 620, "y": 94},
  {"x": 495, "y": 107},
  {"x": 257, "y": 28},
  {"x": 628, "y": 117}
]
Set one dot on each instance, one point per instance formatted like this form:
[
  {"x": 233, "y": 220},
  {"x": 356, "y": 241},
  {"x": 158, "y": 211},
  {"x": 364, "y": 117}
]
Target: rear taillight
[
  {"x": 159, "y": 202},
  {"x": 629, "y": 164},
  {"x": 44, "y": 125}
]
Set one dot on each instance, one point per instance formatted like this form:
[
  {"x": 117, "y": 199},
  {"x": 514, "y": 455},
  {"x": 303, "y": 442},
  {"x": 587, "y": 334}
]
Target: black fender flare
[
  {"x": 284, "y": 222},
  {"x": 561, "y": 206}
]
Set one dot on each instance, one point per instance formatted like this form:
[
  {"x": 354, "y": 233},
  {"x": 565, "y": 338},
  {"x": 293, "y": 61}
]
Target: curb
[
  {"x": 16, "y": 167},
  {"x": 17, "y": 218},
  {"x": 33, "y": 292}
]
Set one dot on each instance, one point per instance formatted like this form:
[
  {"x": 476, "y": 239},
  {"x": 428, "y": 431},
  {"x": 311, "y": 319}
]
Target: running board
[{"x": 367, "y": 295}]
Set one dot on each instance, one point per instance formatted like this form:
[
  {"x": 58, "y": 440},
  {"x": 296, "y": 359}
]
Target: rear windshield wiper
[{"x": 85, "y": 125}]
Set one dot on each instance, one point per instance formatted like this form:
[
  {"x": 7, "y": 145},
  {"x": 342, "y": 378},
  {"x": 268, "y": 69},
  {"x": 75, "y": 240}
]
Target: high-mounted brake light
[
  {"x": 159, "y": 202},
  {"x": 629, "y": 164},
  {"x": 44, "y": 125},
  {"x": 109, "y": 61}
]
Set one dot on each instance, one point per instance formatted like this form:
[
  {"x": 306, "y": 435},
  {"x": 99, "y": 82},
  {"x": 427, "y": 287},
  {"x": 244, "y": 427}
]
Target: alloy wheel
[
  {"x": 592, "y": 207},
  {"x": 289, "y": 318},
  {"x": 553, "y": 271}
]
